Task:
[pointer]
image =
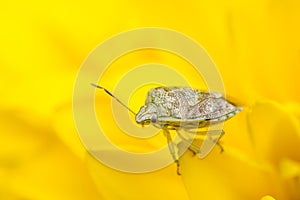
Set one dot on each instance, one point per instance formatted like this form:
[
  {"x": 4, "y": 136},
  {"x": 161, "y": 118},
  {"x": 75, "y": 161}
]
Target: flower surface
[{"x": 255, "y": 46}]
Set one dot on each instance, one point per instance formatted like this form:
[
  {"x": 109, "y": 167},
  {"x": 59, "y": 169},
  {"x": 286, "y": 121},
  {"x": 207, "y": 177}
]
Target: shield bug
[{"x": 177, "y": 108}]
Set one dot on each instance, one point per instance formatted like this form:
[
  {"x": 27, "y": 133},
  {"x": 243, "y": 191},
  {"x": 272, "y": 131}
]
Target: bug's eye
[
  {"x": 143, "y": 108},
  {"x": 153, "y": 119}
]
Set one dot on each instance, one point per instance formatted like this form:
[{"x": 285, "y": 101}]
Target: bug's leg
[
  {"x": 193, "y": 148},
  {"x": 217, "y": 140},
  {"x": 210, "y": 134},
  {"x": 172, "y": 148},
  {"x": 219, "y": 133}
]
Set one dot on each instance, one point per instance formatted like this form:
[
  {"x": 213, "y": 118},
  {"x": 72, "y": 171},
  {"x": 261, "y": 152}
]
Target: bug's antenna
[{"x": 113, "y": 96}]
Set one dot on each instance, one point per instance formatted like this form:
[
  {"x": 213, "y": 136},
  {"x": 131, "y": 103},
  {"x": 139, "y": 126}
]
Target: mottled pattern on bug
[{"x": 171, "y": 104}]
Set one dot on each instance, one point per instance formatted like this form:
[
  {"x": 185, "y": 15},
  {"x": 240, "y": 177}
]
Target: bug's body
[
  {"x": 185, "y": 107},
  {"x": 175, "y": 108}
]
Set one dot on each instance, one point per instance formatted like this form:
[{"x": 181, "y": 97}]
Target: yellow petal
[
  {"x": 63, "y": 124},
  {"x": 268, "y": 197},
  {"x": 229, "y": 175},
  {"x": 290, "y": 174},
  {"x": 289, "y": 169},
  {"x": 274, "y": 131},
  {"x": 35, "y": 164},
  {"x": 162, "y": 184}
]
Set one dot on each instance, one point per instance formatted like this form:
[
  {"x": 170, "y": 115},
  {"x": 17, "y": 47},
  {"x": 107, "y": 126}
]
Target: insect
[{"x": 176, "y": 108}]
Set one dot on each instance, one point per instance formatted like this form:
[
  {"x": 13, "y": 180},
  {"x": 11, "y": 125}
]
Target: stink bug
[{"x": 175, "y": 108}]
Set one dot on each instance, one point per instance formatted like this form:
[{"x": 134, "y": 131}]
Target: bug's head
[{"x": 147, "y": 114}]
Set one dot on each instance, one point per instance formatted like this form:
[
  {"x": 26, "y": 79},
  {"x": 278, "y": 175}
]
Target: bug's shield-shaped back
[{"x": 193, "y": 114}]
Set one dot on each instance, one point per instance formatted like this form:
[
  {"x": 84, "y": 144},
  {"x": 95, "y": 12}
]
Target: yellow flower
[{"x": 255, "y": 46}]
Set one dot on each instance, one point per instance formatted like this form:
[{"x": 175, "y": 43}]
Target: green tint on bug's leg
[
  {"x": 171, "y": 146},
  {"x": 214, "y": 133},
  {"x": 196, "y": 149},
  {"x": 187, "y": 143}
]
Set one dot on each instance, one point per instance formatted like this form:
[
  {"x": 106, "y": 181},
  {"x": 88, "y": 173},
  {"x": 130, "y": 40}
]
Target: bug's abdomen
[{"x": 211, "y": 108}]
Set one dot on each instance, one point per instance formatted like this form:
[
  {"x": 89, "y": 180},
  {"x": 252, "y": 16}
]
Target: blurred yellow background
[{"x": 255, "y": 45}]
